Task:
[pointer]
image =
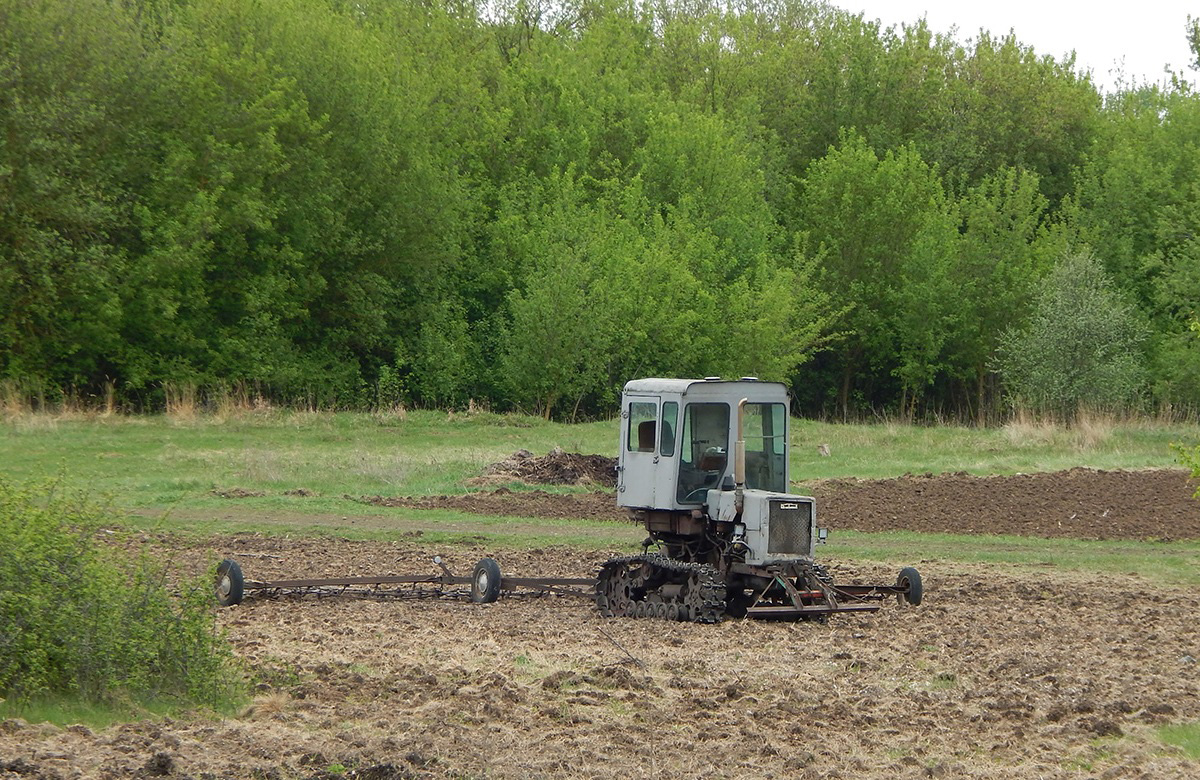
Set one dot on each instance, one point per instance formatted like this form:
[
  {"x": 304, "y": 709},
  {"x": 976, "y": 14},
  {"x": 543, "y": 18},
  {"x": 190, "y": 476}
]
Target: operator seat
[
  {"x": 713, "y": 459},
  {"x": 645, "y": 436}
]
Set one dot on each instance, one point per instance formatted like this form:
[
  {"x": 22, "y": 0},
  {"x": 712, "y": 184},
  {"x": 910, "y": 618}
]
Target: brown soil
[
  {"x": 1001, "y": 673},
  {"x": 1080, "y": 503},
  {"x": 997, "y": 675},
  {"x": 525, "y": 503}
]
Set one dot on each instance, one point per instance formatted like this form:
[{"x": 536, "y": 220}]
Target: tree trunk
[
  {"x": 844, "y": 394},
  {"x": 980, "y": 385}
]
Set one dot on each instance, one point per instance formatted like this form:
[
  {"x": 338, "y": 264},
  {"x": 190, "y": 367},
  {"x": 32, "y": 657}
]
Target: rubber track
[{"x": 712, "y": 589}]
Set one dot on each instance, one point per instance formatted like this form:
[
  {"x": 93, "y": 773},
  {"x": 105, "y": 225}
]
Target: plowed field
[
  {"x": 1078, "y": 504},
  {"x": 1001, "y": 673}
]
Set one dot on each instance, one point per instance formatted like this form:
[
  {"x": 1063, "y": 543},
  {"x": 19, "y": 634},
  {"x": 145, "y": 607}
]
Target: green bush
[
  {"x": 85, "y": 619},
  {"x": 1082, "y": 346},
  {"x": 1189, "y": 458}
]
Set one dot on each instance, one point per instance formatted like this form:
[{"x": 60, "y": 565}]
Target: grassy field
[
  {"x": 159, "y": 461},
  {"x": 165, "y": 472}
]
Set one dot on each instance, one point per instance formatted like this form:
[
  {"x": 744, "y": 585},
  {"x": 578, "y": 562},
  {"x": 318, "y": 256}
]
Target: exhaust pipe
[{"x": 739, "y": 461}]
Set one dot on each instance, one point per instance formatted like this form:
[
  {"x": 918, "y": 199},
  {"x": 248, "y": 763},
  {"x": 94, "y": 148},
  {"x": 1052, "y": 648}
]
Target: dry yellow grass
[
  {"x": 1089, "y": 429},
  {"x": 13, "y": 402},
  {"x": 1093, "y": 429},
  {"x": 267, "y": 705},
  {"x": 181, "y": 401},
  {"x": 1025, "y": 429}
]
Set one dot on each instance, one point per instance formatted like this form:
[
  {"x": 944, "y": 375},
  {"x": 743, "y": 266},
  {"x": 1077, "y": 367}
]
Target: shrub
[
  {"x": 1082, "y": 345},
  {"x": 82, "y": 618},
  {"x": 1189, "y": 457}
]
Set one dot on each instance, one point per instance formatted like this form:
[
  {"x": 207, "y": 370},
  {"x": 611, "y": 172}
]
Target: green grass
[
  {"x": 427, "y": 526},
  {"x": 157, "y": 462},
  {"x": 1175, "y": 563},
  {"x": 66, "y": 710},
  {"x": 883, "y": 450},
  {"x": 1185, "y": 736},
  {"x": 164, "y": 471}
]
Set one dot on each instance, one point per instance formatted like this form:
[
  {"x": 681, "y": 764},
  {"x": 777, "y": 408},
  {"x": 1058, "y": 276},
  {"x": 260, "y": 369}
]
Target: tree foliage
[
  {"x": 887, "y": 235},
  {"x": 530, "y": 202}
]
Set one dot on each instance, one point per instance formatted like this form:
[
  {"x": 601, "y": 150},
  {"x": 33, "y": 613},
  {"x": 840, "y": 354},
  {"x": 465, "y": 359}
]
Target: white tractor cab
[
  {"x": 679, "y": 456},
  {"x": 703, "y": 465}
]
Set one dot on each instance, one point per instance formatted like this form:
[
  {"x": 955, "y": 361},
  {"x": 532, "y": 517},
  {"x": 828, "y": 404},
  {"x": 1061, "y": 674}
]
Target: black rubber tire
[
  {"x": 230, "y": 586},
  {"x": 910, "y": 580},
  {"x": 485, "y": 581}
]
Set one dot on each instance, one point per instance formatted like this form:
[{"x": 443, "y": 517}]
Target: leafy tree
[
  {"x": 1190, "y": 458},
  {"x": 555, "y": 344},
  {"x": 321, "y": 197},
  {"x": 998, "y": 270},
  {"x": 888, "y": 238},
  {"x": 1008, "y": 106},
  {"x": 444, "y": 357},
  {"x": 1139, "y": 199},
  {"x": 69, "y": 134},
  {"x": 81, "y": 619},
  {"x": 1193, "y": 36},
  {"x": 1082, "y": 346}
]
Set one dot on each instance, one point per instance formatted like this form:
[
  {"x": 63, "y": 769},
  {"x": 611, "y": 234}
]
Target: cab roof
[{"x": 682, "y": 386}]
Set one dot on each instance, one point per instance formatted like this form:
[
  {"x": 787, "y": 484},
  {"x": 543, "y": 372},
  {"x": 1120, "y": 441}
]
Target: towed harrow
[
  {"x": 634, "y": 586},
  {"x": 484, "y": 586}
]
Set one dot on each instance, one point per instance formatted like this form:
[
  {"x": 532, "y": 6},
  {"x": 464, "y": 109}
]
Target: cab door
[{"x": 637, "y": 470}]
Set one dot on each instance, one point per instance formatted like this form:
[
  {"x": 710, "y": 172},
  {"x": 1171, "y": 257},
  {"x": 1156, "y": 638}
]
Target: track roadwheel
[
  {"x": 229, "y": 585},
  {"x": 485, "y": 581},
  {"x": 910, "y": 580}
]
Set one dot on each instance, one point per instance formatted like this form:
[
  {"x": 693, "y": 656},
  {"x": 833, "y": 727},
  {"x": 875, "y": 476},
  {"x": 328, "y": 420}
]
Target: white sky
[{"x": 1140, "y": 37}]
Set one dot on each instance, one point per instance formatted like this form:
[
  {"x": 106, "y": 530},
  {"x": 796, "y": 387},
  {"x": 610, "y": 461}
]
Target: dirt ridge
[{"x": 1080, "y": 503}]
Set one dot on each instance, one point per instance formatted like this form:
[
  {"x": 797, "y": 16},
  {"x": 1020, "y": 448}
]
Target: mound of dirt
[
  {"x": 556, "y": 468},
  {"x": 238, "y": 492}
]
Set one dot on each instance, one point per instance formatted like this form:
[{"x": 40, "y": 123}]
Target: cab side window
[
  {"x": 765, "y": 429},
  {"x": 643, "y": 418},
  {"x": 670, "y": 419}
]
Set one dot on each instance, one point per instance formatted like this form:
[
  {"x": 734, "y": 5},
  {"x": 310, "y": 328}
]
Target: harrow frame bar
[{"x": 232, "y": 587}]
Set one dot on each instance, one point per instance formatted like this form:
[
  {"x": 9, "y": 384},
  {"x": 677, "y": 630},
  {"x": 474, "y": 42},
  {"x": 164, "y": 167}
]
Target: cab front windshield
[{"x": 705, "y": 452}]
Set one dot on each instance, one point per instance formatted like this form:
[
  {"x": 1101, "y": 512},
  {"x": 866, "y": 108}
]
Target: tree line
[{"x": 368, "y": 203}]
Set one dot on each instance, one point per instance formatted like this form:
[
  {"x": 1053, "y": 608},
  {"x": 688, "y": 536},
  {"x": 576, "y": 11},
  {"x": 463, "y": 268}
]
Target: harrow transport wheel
[
  {"x": 910, "y": 580},
  {"x": 229, "y": 585},
  {"x": 485, "y": 581}
]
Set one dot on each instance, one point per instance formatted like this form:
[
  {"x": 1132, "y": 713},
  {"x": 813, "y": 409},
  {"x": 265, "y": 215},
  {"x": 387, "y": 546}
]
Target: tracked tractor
[{"x": 703, "y": 465}]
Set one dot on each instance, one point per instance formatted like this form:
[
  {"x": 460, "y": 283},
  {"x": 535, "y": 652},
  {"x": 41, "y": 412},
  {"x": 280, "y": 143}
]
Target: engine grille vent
[{"x": 790, "y": 524}]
